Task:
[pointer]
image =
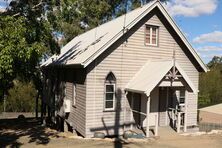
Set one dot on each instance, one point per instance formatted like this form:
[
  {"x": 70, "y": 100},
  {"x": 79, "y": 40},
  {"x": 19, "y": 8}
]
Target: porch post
[
  {"x": 156, "y": 124},
  {"x": 147, "y": 117},
  {"x": 185, "y": 114},
  {"x": 178, "y": 122},
  {"x": 167, "y": 105}
]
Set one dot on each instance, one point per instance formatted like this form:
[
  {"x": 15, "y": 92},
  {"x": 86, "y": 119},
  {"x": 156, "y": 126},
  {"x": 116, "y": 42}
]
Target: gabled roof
[
  {"x": 83, "y": 49},
  {"x": 151, "y": 74}
]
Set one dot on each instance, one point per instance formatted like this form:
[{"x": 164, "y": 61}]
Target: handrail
[{"x": 135, "y": 111}]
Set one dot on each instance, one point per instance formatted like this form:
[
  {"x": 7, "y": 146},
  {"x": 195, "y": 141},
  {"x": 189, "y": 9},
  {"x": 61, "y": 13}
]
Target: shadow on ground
[{"x": 13, "y": 129}]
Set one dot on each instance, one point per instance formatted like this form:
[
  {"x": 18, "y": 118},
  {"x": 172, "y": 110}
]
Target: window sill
[
  {"x": 111, "y": 110},
  {"x": 151, "y": 45}
]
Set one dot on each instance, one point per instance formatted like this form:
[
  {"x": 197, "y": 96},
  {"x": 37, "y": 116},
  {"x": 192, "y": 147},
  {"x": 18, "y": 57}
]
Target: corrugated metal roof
[
  {"x": 217, "y": 109},
  {"x": 151, "y": 74},
  {"x": 83, "y": 49}
]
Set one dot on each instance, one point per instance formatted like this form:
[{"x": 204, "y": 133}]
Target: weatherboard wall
[
  {"x": 124, "y": 59},
  {"x": 76, "y": 117},
  {"x": 59, "y": 86}
]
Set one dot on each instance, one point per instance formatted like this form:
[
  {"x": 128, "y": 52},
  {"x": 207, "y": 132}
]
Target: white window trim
[
  {"x": 74, "y": 94},
  {"x": 182, "y": 97},
  {"x": 151, "y": 35},
  {"x": 114, "y": 98}
]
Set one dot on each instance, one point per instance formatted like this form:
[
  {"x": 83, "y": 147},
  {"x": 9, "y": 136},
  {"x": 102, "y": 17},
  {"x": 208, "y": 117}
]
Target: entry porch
[{"x": 158, "y": 97}]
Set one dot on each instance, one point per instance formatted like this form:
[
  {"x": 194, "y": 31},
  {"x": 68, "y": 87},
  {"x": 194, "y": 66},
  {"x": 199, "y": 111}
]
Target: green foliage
[
  {"x": 25, "y": 35},
  {"x": 211, "y": 84},
  {"x": 17, "y": 55},
  {"x": 73, "y": 17},
  {"x": 21, "y": 97},
  {"x": 66, "y": 17},
  {"x": 27, "y": 28}
]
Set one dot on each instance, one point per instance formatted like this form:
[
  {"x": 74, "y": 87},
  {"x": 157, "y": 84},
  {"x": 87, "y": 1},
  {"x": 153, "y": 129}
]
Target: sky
[{"x": 199, "y": 20}]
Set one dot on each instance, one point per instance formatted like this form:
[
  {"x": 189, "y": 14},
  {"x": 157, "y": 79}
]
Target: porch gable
[{"x": 151, "y": 75}]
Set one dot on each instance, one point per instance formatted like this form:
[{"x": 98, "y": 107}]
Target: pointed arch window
[{"x": 110, "y": 86}]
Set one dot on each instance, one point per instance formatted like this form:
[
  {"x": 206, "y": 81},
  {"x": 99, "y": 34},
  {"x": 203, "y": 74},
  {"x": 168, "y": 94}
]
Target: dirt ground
[{"x": 29, "y": 133}]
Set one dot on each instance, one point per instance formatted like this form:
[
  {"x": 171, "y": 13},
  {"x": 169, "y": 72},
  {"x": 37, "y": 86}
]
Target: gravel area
[{"x": 29, "y": 133}]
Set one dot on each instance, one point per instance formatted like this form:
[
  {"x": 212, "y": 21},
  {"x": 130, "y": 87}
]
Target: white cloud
[
  {"x": 213, "y": 37},
  {"x": 191, "y": 8},
  {"x": 209, "y": 48},
  {"x": 2, "y": 9},
  {"x": 210, "y": 56}
]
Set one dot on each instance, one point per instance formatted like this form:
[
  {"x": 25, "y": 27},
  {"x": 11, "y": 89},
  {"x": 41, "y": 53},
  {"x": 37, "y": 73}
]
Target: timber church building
[{"x": 136, "y": 72}]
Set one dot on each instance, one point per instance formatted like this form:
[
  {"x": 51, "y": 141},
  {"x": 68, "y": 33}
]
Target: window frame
[
  {"x": 74, "y": 94},
  {"x": 110, "y": 79},
  {"x": 182, "y": 97},
  {"x": 151, "y": 35},
  {"x": 114, "y": 96}
]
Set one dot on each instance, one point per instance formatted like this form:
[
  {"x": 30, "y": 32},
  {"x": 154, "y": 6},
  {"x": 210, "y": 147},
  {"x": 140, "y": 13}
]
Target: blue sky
[
  {"x": 201, "y": 22},
  {"x": 2, "y": 3}
]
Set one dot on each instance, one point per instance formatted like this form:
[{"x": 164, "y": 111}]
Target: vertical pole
[
  {"x": 36, "y": 104},
  {"x": 178, "y": 122},
  {"x": 167, "y": 99},
  {"x": 156, "y": 124},
  {"x": 131, "y": 117},
  {"x": 185, "y": 114},
  {"x": 4, "y": 103},
  {"x": 147, "y": 117},
  {"x": 124, "y": 118}
]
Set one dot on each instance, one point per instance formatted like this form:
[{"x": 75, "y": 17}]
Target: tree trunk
[{"x": 37, "y": 105}]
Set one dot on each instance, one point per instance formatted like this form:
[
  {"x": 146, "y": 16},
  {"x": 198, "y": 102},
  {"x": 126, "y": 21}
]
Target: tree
[
  {"x": 25, "y": 36},
  {"x": 21, "y": 97},
  {"x": 29, "y": 28},
  {"x": 73, "y": 17},
  {"x": 210, "y": 84}
]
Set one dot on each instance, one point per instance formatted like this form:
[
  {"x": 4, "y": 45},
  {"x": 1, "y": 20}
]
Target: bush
[{"x": 21, "y": 97}]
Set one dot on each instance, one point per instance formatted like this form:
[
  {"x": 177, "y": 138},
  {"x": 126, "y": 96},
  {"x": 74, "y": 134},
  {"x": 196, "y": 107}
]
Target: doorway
[{"x": 171, "y": 101}]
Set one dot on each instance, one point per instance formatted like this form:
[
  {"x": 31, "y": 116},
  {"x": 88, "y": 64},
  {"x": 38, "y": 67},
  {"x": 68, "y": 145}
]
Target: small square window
[{"x": 151, "y": 35}]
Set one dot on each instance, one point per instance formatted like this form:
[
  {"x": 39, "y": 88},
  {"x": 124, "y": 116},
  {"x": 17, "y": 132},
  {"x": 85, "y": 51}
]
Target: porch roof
[{"x": 151, "y": 74}]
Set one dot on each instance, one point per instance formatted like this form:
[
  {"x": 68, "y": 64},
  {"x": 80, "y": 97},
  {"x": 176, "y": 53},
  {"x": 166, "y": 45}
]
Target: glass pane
[
  {"x": 148, "y": 40},
  {"x": 182, "y": 100},
  {"x": 109, "y": 104},
  {"x": 154, "y": 30},
  {"x": 109, "y": 96},
  {"x": 182, "y": 94},
  {"x": 154, "y": 41},
  {"x": 148, "y": 30},
  {"x": 109, "y": 88},
  {"x": 110, "y": 77}
]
